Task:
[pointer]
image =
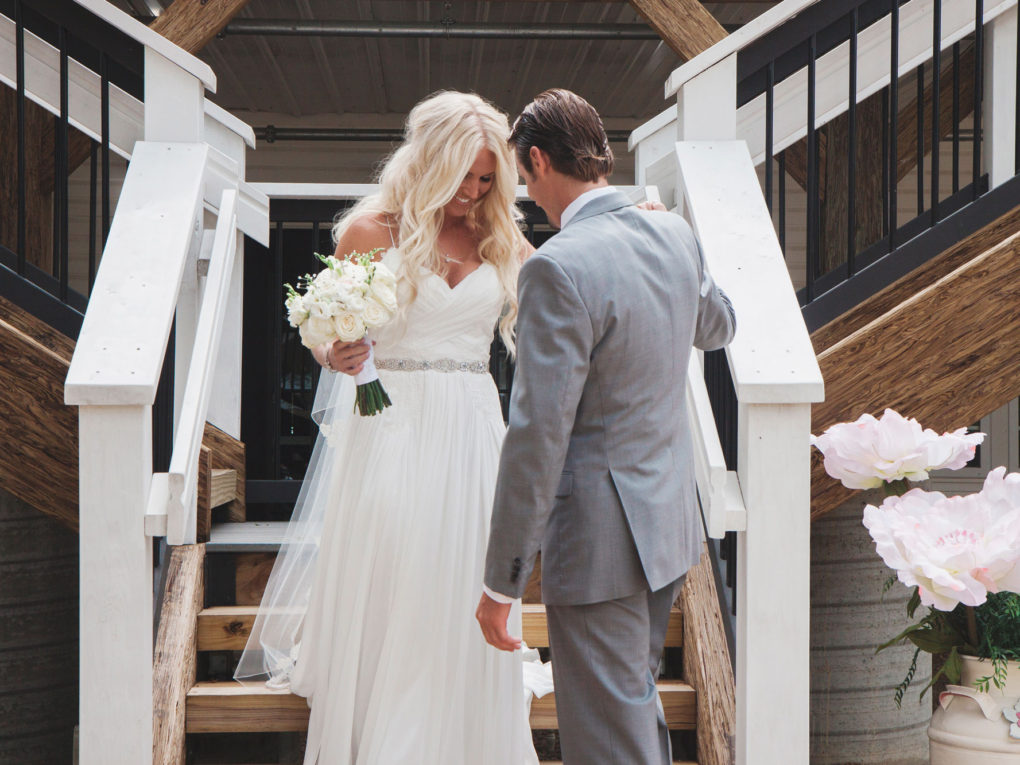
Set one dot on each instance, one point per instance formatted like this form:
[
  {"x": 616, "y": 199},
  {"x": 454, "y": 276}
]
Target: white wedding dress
[{"x": 390, "y": 656}]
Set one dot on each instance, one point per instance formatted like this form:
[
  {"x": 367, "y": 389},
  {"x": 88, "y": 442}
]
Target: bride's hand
[{"x": 348, "y": 358}]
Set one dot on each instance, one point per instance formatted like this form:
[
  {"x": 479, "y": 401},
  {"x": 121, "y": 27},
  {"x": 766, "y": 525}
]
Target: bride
[{"x": 369, "y": 612}]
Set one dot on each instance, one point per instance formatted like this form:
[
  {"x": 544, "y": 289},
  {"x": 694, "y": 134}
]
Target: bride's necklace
[{"x": 450, "y": 258}]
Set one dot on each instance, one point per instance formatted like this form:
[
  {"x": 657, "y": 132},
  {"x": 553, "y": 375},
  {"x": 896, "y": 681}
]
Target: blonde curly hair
[{"x": 442, "y": 138}]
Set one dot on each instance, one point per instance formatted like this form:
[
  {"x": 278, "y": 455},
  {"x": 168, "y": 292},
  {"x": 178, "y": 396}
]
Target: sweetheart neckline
[{"x": 456, "y": 286}]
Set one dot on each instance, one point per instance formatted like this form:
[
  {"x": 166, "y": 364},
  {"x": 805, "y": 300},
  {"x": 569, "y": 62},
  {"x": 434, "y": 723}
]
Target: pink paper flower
[
  {"x": 869, "y": 452},
  {"x": 953, "y": 549}
]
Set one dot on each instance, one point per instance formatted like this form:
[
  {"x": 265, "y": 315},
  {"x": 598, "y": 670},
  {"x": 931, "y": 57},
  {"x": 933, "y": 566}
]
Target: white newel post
[
  {"x": 999, "y": 106},
  {"x": 115, "y": 643},
  {"x": 773, "y": 585}
]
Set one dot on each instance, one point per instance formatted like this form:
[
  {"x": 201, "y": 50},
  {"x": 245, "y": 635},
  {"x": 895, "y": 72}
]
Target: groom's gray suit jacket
[{"x": 597, "y": 467}]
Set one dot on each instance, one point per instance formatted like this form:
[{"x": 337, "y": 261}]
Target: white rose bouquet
[{"x": 345, "y": 300}]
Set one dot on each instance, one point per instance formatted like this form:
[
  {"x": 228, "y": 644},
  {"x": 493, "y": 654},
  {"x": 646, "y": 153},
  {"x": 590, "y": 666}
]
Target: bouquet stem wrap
[{"x": 371, "y": 397}]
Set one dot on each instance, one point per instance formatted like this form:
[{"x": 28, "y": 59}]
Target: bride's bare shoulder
[{"x": 366, "y": 233}]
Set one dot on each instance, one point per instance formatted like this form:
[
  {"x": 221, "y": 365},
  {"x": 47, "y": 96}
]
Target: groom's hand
[{"x": 492, "y": 618}]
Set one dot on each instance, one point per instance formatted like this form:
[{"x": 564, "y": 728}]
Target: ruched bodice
[{"x": 442, "y": 322}]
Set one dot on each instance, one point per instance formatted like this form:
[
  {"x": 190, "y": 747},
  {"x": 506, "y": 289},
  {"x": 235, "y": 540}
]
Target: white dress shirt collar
[{"x": 575, "y": 207}]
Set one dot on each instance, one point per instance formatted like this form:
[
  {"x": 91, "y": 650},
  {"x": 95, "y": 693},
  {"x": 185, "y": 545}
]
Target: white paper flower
[
  {"x": 349, "y": 327},
  {"x": 954, "y": 549},
  {"x": 316, "y": 331},
  {"x": 869, "y": 452}
]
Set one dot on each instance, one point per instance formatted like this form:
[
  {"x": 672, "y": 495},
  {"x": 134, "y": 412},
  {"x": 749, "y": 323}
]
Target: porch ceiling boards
[{"x": 304, "y": 76}]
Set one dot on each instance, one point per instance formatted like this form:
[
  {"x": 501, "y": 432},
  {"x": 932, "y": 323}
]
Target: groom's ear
[{"x": 540, "y": 163}]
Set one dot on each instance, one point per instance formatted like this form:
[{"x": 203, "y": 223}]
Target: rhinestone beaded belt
[{"x": 438, "y": 365}]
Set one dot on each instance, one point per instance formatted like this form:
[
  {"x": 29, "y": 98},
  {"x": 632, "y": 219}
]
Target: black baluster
[
  {"x": 22, "y": 170},
  {"x": 60, "y": 174},
  {"x": 812, "y": 175},
  {"x": 920, "y": 139},
  {"x": 936, "y": 121},
  {"x": 885, "y": 161},
  {"x": 851, "y": 228},
  {"x": 956, "y": 117},
  {"x": 894, "y": 106},
  {"x": 276, "y": 350},
  {"x": 979, "y": 39},
  {"x": 1016, "y": 117},
  {"x": 782, "y": 202},
  {"x": 104, "y": 109},
  {"x": 769, "y": 131},
  {"x": 93, "y": 206}
]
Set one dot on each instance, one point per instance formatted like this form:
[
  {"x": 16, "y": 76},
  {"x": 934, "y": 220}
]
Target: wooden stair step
[
  {"x": 226, "y": 628},
  {"x": 251, "y": 536},
  {"x": 229, "y": 707}
]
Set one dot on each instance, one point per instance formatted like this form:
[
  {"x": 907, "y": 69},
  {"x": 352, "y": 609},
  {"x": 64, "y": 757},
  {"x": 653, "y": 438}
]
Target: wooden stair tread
[
  {"x": 224, "y": 707},
  {"x": 250, "y": 536},
  {"x": 226, "y": 628}
]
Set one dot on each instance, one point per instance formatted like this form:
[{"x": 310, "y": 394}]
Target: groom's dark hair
[{"x": 569, "y": 130}]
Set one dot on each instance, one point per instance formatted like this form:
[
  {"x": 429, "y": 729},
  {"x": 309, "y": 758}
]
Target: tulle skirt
[{"x": 391, "y": 658}]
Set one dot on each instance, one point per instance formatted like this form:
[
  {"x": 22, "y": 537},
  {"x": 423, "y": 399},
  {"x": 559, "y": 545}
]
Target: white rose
[
  {"x": 318, "y": 305},
  {"x": 316, "y": 331},
  {"x": 355, "y": 271},
  {"x": 349, "y": 327},
  {"x": 382, "y": 275},
  {"x": 384, "y": 295},
  {"x": 296, "y": 310},
  {"x": 375, "y": 315}
]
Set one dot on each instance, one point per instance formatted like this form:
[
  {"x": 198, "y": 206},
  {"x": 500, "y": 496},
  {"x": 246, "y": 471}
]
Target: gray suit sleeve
[
  {"x": 717, "y": 322},
  {"x": 554, "y": 347}
]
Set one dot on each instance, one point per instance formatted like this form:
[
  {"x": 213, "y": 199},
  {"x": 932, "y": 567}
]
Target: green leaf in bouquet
[
  {"x": 905, "y": 683},
  {"x": 953, "y": 666}
]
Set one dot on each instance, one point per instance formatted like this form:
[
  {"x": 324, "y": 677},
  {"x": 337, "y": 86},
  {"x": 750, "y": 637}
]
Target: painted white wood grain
[
  {"x": 721, "y": 502},
  {"x": 773, "y": 589},
  {"x": 183, "y": 473},
  {"x": 115, "y": 584},
  {"x": 999, "y": 104},
  {"x": 152, "y": 40},
  {"x": 771, "y": 357},
  {"x": 119, "y": 353},
  {"x": 174, "y": 101}
]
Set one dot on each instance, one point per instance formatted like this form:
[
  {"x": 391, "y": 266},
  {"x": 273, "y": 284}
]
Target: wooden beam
[
  {"x": 203, "y": 506},
  {"x": 707, "y": 667},
  {"x": 39, "y": 461},
  {"x": 948, "y": 356},
  {"x": 685, "y": 25},
  {"x": 191, "y": 24},
  {"x": 966, "y": 250},
  {"x": 174, "y": 662}
]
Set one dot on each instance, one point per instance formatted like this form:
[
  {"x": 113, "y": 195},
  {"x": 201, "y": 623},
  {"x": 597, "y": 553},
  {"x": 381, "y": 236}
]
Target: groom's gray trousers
[{"x": 609, "y": 710}]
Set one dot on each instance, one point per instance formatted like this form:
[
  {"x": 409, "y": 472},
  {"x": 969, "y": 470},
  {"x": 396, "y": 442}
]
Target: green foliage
[{"x": 948, "y": 632}]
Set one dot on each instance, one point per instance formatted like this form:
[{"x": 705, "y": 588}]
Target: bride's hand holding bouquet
[{"x": 340, "y": 304}]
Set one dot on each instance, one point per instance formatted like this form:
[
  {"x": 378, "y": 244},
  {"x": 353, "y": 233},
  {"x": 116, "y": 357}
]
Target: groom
[{"x": 597, "y": 467}]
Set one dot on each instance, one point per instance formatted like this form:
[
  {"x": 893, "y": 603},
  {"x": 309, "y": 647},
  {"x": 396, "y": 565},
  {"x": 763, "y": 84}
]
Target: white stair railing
[{"x": 174, "y": 253}]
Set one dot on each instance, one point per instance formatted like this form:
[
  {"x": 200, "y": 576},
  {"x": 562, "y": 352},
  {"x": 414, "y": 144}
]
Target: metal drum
[
  {"x": 38, "y": 636},
  {"x": 854, "y": 718}
]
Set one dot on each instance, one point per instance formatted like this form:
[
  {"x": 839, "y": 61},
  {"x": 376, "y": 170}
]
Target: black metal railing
[
  {"x": 853, "y": 237},
  {"x": 35, "y": 220},
  {"x": 47, "y": 265},
  {"x": 280, "y": 376}
]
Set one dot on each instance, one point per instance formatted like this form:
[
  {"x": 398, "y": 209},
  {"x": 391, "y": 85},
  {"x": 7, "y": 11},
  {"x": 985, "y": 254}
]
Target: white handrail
[
  {"x": 183, "y": 473},
  {"x": 152, "y": 40},
  {"x": 119, "y": 354}
]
